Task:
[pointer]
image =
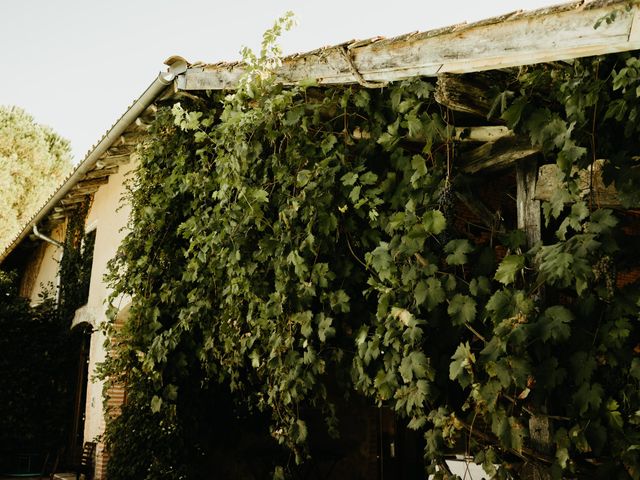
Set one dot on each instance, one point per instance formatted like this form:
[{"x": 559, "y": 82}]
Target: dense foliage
[
  {"x": 33, "y": 161},
  {"x": 284, "y": 240},
  {"x": 39, "y": 355},
  {"x": 36, "y": 374}
]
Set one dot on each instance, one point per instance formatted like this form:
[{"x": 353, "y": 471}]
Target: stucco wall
[
  {"x": 47, "y": 275},
  {"x": 109, "y": 217}
]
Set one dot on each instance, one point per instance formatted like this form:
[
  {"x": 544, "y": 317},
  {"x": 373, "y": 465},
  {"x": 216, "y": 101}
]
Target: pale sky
[{"x": 76, "y": 65}]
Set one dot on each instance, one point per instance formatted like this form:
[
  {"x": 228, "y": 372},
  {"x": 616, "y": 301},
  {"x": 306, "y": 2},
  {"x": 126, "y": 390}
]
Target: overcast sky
[{"x": 76, "y": 65}]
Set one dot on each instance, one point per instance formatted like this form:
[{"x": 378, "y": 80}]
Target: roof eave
[{"x": 155, "y": 89}]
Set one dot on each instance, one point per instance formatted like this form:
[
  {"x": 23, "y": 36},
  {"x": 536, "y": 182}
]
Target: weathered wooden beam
[
  {"x": 69, "y": 201},
  {"x": 110, "y": 160},
  {"x": 528, "y": 207},
  {"x": 118, "y": 149},
  {"x": 471, "y": 93},
  {"x": 529, "y": 220},
  {"x": 481, "y": 134},
  {"x": 91, "y": 183},
  {"x": 101, "y": 172},
  {"x": 503, "y": 153},
  {"x": 592, "y": 186},
  {"x": 521, "y": 38},
  {"x": 129, "y": 138}
]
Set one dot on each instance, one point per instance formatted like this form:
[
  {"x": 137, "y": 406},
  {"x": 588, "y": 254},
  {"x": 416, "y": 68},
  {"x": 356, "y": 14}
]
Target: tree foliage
[
  {"x": 37, "y": 371},
  {"x": 285, "y": 239},
  {"x": 33, "y": 161}
]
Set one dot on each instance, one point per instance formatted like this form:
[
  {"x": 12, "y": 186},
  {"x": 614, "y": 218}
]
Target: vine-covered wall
[{"x": 294, "y": 246}]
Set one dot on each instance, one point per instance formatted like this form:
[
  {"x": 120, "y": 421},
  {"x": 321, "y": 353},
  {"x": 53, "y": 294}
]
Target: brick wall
[{"x": 116, "y": 397}]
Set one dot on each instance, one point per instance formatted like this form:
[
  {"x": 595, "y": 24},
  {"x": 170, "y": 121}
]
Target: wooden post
[
  {"x": 540, "y": 429},
  {"x": 528, "y": 208}
]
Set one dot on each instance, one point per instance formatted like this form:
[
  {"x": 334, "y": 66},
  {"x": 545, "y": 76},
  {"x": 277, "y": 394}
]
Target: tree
[{"x": 33, "y": 161}]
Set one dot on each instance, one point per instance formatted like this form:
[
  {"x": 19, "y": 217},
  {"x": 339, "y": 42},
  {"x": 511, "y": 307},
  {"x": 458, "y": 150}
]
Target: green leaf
[
  {"x": 508, "y": 430},
  {"x": 588, "y": 397},
  {"x": 278, "y": 473},
  {"x": 614, "y": 417},
  {"x": 381, "y": 261},
  {"x": 462, "y": 309},
  {"x": 325, "y": 330},
  {"x": 419, "y": 167},
  {"x": 349, "y": 179},
  {"x": 293, "y": 116},
  {"x": 514, "y": 239},
  {"x": 500, "y": 371},
  {"x": 301, "y": 431},
  {"x": 489, "y": 393},
  {"x": 388, "y": 140},
  {"x": 416, "y": 423},
  {"x": 156, "y": 404},
  {"x": 508, "y": 268},
  {"x": 420, "y": 366},
  {"x": 458, "y": 250},
  {"x": 461, "y": 368},
  {"x": 555, "y": 324},
  {"x": 434, "y": 222},
  {"x": 260, "y": 195},
  {"x": 513, "y": 114},
  {"x": 435, "y": 294},
  {"x": 583, "y": 365},
  {"x": 303, "y": 177},
  {"x": 414, "y": 125},
  {"x": 420, "y": 292},
  {"x": 328, "y": 143},
  {"x": 479, "y": 286},
  {"x": 354, "y": 195}
]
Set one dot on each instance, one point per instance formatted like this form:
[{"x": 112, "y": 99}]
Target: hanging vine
[{"x": 287, "y": 239}]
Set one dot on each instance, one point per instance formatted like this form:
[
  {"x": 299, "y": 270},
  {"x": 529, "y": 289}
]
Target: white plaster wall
[
  {"x": 47, "y": 276},
  {"x": 110, "y": 217}
]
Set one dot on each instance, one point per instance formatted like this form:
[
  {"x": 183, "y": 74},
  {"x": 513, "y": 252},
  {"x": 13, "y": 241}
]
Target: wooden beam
[
  {"x": 72, "y": 200},
  {"x": 481, "y": 134},
  {"x": 529, "y": 220},
  {"x": 528, "y": 207},
  {"x": 109, "y": 160},
  {"x": 91, "y": 183},
  {"x": 471, "y": 93},
  {"x": 129, "y": 138},
  {"x": 105, "y": 171},
  {"x": 521, "y": 38},
  {"x": 502, "y": 153},
  {"x": 118, "y": 149}
]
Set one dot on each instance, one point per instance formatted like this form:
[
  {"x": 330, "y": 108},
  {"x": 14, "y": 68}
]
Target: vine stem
[
  {"x": 474, "y": 331},
  {"x": 354, "y": 254}
]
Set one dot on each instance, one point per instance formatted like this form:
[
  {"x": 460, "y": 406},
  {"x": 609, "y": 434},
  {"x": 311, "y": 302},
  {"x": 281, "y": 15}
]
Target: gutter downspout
[
  {"x": 176, "y": 67},
  {"x": 45, "y": 238}
]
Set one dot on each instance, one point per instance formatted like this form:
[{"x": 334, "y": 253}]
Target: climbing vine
[
  {"x": 296, "y": 244},
  {"x": 75, "y": 265}
]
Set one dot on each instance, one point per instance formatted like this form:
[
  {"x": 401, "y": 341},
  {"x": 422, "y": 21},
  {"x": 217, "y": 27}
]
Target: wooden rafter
[{"x": 522, "y": 38}]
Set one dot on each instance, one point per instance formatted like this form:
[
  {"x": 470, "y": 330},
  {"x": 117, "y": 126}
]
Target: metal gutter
[
  {"x": 45, "y": 238},
  {"x": 140, "y": 105}
]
